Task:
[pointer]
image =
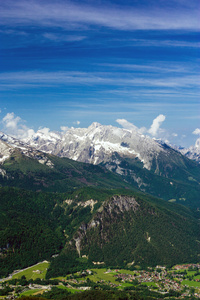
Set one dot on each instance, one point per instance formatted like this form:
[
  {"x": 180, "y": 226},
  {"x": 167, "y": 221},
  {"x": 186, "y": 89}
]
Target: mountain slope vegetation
[
  {"x": 53, "y": 174},
  {"x": 176, "y": 178},
  {"x": 86, "y": 214},
  {"x": 130, "y": 230},
  {"x": 150, "y": 165}
]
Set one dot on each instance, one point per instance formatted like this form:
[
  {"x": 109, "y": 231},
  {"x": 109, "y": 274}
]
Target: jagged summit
[
  {"x": 97, "y": 143},
  {"x": 150, "y": 165},
  {"x": 192, "y": 152},
  {"x": 10, "y": 145}
]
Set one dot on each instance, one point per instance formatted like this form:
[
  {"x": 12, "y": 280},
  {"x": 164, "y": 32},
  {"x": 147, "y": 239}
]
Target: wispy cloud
[
  {"x": 161, "y": 42},
  {"x": 159, "y": 66},
  {"x": 37, "y": 78},
  {"x": 130, "y": 126},
  {"x": 79, "y": 15},
  {"x": 58, "y": 37},
  {"x": 127, "y": 125}
]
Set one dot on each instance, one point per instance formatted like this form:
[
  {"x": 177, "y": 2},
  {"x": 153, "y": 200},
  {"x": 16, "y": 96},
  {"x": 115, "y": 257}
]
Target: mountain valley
[{"x": 82, "y": 214}]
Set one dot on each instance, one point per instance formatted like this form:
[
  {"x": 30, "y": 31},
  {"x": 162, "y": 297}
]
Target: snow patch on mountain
[
  {"x": 9, "y": 144},
  {"x": 5, "y": 151},
  {"x": 97, "y": 144},
  {"x": 192, "y": 152}
]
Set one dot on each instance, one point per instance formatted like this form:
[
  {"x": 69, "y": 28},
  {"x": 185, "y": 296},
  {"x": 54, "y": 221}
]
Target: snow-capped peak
[
  {"x": 97, "y": 143},
  {"x": 192, "y": 152}
]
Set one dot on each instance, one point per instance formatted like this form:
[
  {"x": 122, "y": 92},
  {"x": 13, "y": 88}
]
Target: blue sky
[{"x": 71, "y": 63}]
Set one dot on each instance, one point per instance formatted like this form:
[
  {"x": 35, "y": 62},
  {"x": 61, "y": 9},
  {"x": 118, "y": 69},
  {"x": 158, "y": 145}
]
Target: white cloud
[
  {"x": 127, "y": 125},
  {"x": 14, "y": 126},
  {"x": 44, "y": 130},
  {"x": 71, "y": 15},
  {"x": 64, "y": 128},
  {"x": 155, "y": 127},
  {"x": 174, "y": 134},
  {"x": 10, "y": 121},
  {"x": 78, "y": 122},
  {"x": 130, "y": 126},
  {"x": 196, "y": 131}
]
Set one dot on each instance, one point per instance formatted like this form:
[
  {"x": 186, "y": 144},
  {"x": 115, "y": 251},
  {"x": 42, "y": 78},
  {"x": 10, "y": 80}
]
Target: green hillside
[
  {"x": 120, "y": 236},
  {"x": 45, "y": 208},
  {"x": 36, "y": 225},
  {"x": 63, "y": 175}
]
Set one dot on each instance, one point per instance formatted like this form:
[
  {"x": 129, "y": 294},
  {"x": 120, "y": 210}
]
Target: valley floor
[{"x": 179, "y": 282}]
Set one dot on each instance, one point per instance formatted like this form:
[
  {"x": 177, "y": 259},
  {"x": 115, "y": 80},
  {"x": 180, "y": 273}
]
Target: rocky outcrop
[{"x": 116, "y": 206}]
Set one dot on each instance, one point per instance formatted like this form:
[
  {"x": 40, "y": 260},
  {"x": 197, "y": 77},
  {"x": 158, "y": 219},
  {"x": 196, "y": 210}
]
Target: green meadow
[
  {"x": 191, "y": 283},
  {"x": 149, "y": 284},
  {"x": 71, "y": 290},
  {"x": 30, "y": 292},
  {"x": 100, "y": 274},
  {"x": 36, "y": 271}
]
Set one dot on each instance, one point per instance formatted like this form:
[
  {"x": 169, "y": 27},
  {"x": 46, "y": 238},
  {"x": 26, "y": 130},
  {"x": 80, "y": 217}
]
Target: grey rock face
[
  {"x": 9, "y": 144},
  {"x": 116, "y": 205},
  {"x": 97, "y": 143},
  {"x": 192, "y": 152}
]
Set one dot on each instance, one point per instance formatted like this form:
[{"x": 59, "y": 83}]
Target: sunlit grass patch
[
  {"x": 37, "y": 271},
  {"x": 126, "y": 284},
  {"x": 71, "y": 290},
  {"x": 30, "y": 292},
  {"x": 123, "y": 271},
  {"x": 149, "y": 284},
  {"x": 191, "y": 283}
]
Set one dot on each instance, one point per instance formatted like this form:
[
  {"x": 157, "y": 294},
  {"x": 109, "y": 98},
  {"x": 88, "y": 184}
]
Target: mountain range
[
  {"x": 145, "y": 163},
  {"x": 85, "y": 196}
]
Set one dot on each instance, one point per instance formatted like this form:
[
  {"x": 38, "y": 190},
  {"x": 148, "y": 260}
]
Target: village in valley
[{"x": 179, "y": 282}]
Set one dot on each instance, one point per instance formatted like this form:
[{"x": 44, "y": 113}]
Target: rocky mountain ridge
[
  {"x": 8, "y": 145},
  {"x": 145, "y": 163},
  {"x": 96, "y": 144},
  {"x": 192, "y": 152}
]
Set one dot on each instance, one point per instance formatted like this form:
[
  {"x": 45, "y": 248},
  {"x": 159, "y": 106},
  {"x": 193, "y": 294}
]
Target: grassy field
[
  {"x": 190, "y": 273},
  {"x": 125, "y": 284},
  {"x": 149, "y": 284},
  {"x": 99, "y": 274},
  {"x": 123, "y": 271},
  {"x": 30, "y": 292},
  {"x": 71, "y": 290},
  {"x": 59, "y": 278},
  {"x": 191, "y": 283},
  {"x": 37, "y": 271}
]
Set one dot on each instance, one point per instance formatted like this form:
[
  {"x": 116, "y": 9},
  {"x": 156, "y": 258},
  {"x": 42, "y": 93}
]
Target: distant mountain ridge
[
  {"x": 96, "y": 143},
  {"x": 26, "y": 167},
  {"x": 148, "y": 164},
  {"x": 145, "y": 163},
  {"x": 192, "y": 152}
]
